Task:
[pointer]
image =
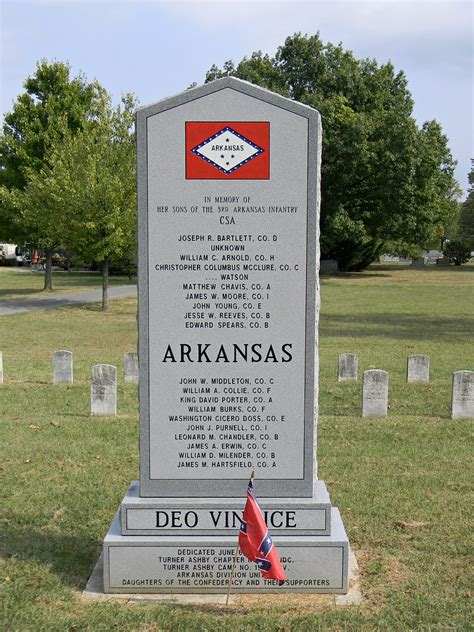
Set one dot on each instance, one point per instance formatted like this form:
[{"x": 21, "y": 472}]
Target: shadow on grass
[
  {"x": 351, "y": 275},
  {"x": 71, "y": 558},
  {"x": 378, "y": 271},
  {"x": 28, "y": 292},
  {"x": 396, "y": 325}
]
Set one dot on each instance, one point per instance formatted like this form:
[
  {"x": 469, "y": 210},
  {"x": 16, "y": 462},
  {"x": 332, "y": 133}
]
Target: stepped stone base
[{"x": 190, "y": 564}]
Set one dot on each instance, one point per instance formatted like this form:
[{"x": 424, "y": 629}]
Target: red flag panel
[
  {"x": 256, "y": 542},
  {"x": 228, "y": 150}
]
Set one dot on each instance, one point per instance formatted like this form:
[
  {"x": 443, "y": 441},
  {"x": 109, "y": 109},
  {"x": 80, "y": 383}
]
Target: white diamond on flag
[{"x": 227, "y": 150}]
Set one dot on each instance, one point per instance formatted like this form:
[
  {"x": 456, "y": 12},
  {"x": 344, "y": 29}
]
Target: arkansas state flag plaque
[{"x": 227, "y": 150}]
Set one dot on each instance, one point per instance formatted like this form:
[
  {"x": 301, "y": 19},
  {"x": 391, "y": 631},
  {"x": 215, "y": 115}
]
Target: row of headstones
[
  {"x": 418, "y": 368},
  {"x": 62, "y": 367},
  {"x": 374, "y": 392},
  {"x": 375, "y": 385},
  {"x": 103, "y": 383}
]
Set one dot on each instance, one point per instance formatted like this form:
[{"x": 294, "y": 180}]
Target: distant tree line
[
  {"x": 67, "y": 176},
  {"x": 67, "y": 160},
  {"x": 387, "y": 184}
]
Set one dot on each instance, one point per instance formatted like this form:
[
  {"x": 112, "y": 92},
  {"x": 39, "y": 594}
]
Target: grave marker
[
  {"x": 62, "y": 367},
  {"x": 228, "y": 249},
  {"x": 348, "y": 363},
  {"x": 130, "y": 364},
  {"x": 375, "y": 393},
  {"x": 418, "y": 368},
  {"x": 104, "y": 390},
  {"x": 462, "y": 399}
]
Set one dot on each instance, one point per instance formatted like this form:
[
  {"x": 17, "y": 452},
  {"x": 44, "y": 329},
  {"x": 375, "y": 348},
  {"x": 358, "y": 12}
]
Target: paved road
[{"x": 21, "y": 305}]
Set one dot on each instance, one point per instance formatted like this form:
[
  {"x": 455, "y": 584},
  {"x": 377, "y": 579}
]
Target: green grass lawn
[
  {"x": 65, "y": 473},
  {"x": 24, "y": 283}
]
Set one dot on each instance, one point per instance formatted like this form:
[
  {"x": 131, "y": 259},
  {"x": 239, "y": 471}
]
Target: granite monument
[{"x": 228, "y": 248}]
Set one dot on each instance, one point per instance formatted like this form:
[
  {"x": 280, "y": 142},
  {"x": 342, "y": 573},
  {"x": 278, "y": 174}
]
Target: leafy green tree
[
  {"x": 384, "y": 179},
  {"x": 457, "y": 251},
  {"x": 87, "y": 186},
  {"x": 466, "y": 218},
  {"x": 53, "y": 104}
]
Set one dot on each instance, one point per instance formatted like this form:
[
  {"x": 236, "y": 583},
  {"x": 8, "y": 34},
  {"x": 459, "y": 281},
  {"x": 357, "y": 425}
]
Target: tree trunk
[
  {"x": 68, "y": 264},
  {"x": 48, "y": 273},
  {"x": 105, "y": 283}
]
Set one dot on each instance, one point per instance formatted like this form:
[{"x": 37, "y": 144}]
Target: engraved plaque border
[
  {"x": 235, "y": 589},
  {"x": 225, "y": 531}
]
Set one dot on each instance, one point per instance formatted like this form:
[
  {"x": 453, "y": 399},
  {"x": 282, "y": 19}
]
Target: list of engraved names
[{"x": 227, "y": 342}]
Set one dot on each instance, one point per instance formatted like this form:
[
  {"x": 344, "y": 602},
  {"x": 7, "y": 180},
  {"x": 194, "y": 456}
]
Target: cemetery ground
[
  {"x": 24, "y": 283},
  {"x": 402, "y": 483}
]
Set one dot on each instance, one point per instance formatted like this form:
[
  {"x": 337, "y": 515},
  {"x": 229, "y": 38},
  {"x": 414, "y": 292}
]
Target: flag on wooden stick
[{"x": 256, "y": 542}]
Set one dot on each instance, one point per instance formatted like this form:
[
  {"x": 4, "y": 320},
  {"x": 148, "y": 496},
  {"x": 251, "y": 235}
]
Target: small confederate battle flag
[{"x": 255, "y": 541}]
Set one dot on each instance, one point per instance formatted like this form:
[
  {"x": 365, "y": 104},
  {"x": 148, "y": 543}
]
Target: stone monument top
[{"x": 227, "y": 179}]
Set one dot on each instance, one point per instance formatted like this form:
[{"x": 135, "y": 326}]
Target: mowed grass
[
  {"x": 403, "y": 484},
  {"x": 25, "y": 283}
]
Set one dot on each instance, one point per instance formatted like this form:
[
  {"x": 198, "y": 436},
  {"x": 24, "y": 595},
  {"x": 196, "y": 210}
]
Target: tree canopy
[
  {"x": 53, "y": 104},
  {"x": 384, "y": 179},
  {"x": 68, "y": 169},
  {"x": 466, "y": 217},
  {"x": 83, "y": 197}
]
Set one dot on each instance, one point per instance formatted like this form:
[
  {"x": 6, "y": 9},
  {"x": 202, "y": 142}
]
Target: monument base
[
  {"x": 191, "y": 564},
  {"x": 221, "y": 516}
]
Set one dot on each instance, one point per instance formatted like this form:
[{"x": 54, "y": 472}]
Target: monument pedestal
[
  {"x": 192, "y": 564},
  {"x": 228, "y": 255}
]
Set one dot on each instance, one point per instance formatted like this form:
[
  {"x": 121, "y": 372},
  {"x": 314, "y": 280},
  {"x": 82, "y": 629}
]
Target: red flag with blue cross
[{"x": 256, "y": 542}]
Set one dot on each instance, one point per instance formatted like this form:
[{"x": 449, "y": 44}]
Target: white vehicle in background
[
  {"x": 7, "y": 253},
  {"x": 11, "y": 254}
]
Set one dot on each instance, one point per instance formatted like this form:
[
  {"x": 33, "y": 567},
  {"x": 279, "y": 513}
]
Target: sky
[{"x": 156, "y": 49}]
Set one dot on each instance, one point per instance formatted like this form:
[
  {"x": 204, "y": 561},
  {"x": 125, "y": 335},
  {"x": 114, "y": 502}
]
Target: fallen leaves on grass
[
  {"x": 35, "y": 427},
  {"x": 410, "y": 524},
  {"x": 58, "y": 513},
  {"x": 27, "y": 460}
]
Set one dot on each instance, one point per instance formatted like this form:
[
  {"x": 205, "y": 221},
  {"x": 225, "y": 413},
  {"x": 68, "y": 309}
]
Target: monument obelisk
[{"x": 228, "y": 247}]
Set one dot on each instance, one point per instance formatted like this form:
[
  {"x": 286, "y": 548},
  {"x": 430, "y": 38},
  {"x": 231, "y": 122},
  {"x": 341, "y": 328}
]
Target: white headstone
[
  {"x": 130, "y": 364},
  {"x": 104, "y": 390},
  {"x": 348, "y": 363},
  {"x": 62, "y": 367},
  {"x": 462, "y": 402},
  {"x": 418, "y": 368},
  {"x": 375, "y": 393}
]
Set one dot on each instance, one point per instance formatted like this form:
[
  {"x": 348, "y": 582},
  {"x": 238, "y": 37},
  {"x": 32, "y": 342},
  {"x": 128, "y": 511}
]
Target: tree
[
  {"x": 53, "y": 104},
  {"x": 87, "y": 186},
  {"x": 383, "y": 178},
  {"x": 466, "y": 218},
  {"x": 457, "y": 251}
]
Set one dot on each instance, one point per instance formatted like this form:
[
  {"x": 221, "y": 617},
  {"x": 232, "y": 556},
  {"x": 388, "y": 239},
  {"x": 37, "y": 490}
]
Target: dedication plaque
[{"x": 228, "y": 250}]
